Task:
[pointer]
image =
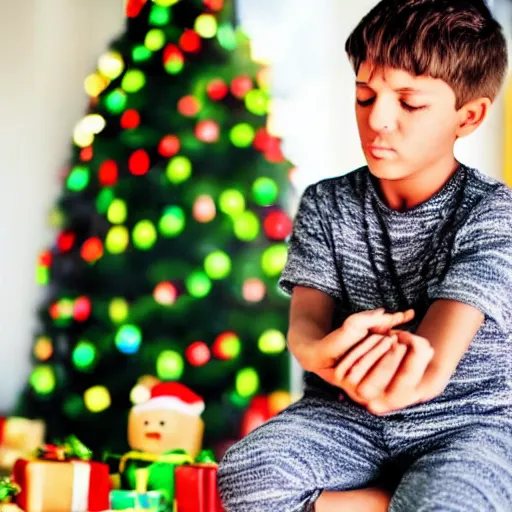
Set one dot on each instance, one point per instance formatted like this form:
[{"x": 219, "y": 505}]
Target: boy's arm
[{"x": 449, "y": 326}]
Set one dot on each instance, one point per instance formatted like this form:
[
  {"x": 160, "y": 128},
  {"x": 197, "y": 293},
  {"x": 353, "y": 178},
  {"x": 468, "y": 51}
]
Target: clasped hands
[{"x": 376, "y": 365}]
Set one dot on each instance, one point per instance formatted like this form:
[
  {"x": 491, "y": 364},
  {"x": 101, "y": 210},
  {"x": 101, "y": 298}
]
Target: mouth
[
  {"x": 153, "y": 435},
  {"x": 380, "y": 152}
]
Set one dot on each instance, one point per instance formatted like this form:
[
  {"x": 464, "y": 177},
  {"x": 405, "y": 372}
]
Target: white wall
[{"x": 47, "y": 48}]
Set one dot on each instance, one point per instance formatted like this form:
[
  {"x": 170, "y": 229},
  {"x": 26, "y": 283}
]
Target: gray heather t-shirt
[{"x": 349, "y": 244}]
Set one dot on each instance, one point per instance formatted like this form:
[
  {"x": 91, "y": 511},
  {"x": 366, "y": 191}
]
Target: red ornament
[
  {"x": 92, "y": 250},
  {"x": 86, "y": 154},
  {"x": 130, "y": 119},
  {"x": 257, "y": 414},
  {"x": 273, "y": 151},
  {"x": 217, "y": 89},
  {"x": 45, "y": 259},
  {"x": 214, "y": 5},
  {"x": 198, "y": 353},
  {"x": 133, "y": 7},
  {"x": 82, "y": 309},
  {"x": 54, "y": 310},
  {"x": 190, "y": 41},
  {"x": 139, "y": 163},
  {"x": 188, "y": 106},
  {"x": 207, "y": 131},
  {"x": 108, "y": 173},
  {"x": 169, "y": 145},
  {"x": 261, "y": 139},
  {"x": 277, "y": 225},
  {"x": 65, "y": 241},
  {"x": 241, "y": 85}
]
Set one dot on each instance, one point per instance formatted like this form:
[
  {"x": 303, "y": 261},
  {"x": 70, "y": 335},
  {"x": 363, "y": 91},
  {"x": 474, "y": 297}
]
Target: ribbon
[
  {"x": 176, "y": 457},
  {"x": 72, "y": 448},
  {"x": 8, "y": 489},
  {"x": 206, "y": 457}
]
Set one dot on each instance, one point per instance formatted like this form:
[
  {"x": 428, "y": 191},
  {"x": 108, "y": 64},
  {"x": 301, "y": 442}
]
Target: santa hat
[{"x": 172, "y": 396}]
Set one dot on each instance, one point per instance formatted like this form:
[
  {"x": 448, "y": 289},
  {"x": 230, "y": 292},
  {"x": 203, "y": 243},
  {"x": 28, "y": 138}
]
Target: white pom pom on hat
[{"x": 172, "y": 396}]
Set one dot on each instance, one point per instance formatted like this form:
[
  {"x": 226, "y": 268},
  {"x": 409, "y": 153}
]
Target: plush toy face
[{"x": 158, "y": 431}]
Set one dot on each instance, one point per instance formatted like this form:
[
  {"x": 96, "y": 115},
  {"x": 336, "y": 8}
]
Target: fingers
[
  {"x": 382, "y": 374},
  {"x": 391, "y": 320},
  {"x": 358, "y": 370},
  {"x": 416, "y": 363},
  {"x": 348, "y": 360}
]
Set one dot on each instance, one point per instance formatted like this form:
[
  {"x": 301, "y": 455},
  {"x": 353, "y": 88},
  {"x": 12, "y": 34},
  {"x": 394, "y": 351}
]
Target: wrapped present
[
  {"x": 62, "y": 480},
  {"x": 169, "y": 420},
  {"x": 140, "y": 498},
  {"x": 21, "y": 433},
  {"x": 160, "y": 470},
  {"x": 196, "y": 488}
]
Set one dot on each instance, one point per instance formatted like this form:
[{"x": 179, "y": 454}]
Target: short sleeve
[
  {"x": 480, "y": 272},
  {"x": 311, "y": 257}
]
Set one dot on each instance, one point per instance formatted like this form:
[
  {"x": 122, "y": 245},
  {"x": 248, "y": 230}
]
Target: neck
[{"x": 406, "y": 193}]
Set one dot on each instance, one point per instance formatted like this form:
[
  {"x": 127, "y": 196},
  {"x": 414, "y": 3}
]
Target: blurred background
[{"x": 49, "y": 47}]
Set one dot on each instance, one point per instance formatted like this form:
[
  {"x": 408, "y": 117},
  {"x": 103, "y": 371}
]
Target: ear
[{"x": 471, "y": 116}]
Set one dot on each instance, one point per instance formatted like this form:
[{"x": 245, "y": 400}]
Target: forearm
[{"x": 304, "y": 335}]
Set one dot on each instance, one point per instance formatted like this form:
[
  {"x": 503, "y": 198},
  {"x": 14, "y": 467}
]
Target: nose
[{"x": 383, "y": 116}]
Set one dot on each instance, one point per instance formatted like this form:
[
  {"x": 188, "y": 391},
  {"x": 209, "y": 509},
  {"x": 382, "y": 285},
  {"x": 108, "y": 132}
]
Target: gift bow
[
  {"x": 72, "y": 448},
  {"x": 8, "y": 489}
]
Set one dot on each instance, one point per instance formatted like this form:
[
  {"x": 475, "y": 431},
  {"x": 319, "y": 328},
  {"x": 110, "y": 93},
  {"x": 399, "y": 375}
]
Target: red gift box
[
  {"x": 62, "y": 486},
  {"x": 196, "y": 488}
]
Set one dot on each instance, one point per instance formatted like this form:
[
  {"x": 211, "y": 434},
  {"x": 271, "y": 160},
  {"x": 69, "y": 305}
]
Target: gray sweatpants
[{"x": 451, "y": 461}]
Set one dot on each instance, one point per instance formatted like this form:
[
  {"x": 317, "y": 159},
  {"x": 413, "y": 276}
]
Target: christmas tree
[{"x": 171, "y": 233}]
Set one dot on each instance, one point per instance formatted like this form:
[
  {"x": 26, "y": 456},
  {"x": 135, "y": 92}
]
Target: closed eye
[{"x": 405, "y": 106}]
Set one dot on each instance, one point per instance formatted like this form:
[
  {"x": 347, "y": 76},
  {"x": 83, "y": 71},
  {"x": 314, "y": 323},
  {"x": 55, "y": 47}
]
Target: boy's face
[{"x": 413, "y": 118}]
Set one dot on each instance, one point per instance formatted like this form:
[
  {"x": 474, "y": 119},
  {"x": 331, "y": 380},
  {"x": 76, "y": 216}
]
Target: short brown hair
[{"x": 458, "y": 41}]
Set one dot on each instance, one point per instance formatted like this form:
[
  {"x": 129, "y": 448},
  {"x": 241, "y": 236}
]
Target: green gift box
[{"x": 152, "y": 501}]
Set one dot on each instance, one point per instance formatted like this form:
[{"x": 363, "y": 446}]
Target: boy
[{"x": 424, "y": 420}]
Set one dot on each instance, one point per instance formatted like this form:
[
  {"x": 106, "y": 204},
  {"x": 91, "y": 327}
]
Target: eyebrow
[{"x": 401, "y": 89}]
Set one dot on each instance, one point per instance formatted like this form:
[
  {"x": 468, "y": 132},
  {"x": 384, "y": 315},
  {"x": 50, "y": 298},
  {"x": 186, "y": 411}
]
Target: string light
[
  {"x": 159, "y": 16},
  {"x": 198, "y": 353},
  {"x": 242, "y": 135},
  {"x": 141, "y": 54},
  {"x": 165, "y": 293},
  {"x": 115, "y": 102},
  {"x": 118, "y": 310},
  {"x": 274, "y": 259},
  {"x": 117, "y": 239},
  {"x": 78, "y": 178},
  {"x": 207, "y": 131},
  {"x": 97, "y": 399},
  {"x": 217, "y": 89},
  {"x": 189, "y": 106},
  {"x": 130, "y": 119},
  {"x": 43, "y": 348},
  {"x": 133, "y": 81},
  {"x": 42, "y": 379},
  {"x": 169, "y": 365},
  {"x": 265, "y": 191},
  {"x": 241, "y": 85},
  {"x": 117, "y": 211},
  {"x": 65, "y": 241},
  {"x": 95, "y": 84},
  {"x": 217, "y": 265},
  {"x": 139, "y": 162},
  {"x": 82, "y": 309},
  {"x": 144, "y": 235},
  {"x": 190, "y": 41},
  {"x": 206, "y": 26},
  {"x": 169, "y": 146},
  {"x": 254, "y": 290},
  {"x": 108, "y": 173},
  {"x": 155, "y": 39},
  {"x": 204, "y": 209},
  {"x": 277, "y": 225},
  {"x": 92, "y": 250},
  {"x": 84, "y": 355},
  {"x": 232, "y": 202},
  {"x": 198, "y": 284},
  {"x": 227, "y": 346},
  {"x": 246, "y": 226},
  {"x": 111, "y": 64},
  {"x": 87, "y": 154},
  {"x": 179, "y": 169},
  {"x": 173, "y": 59},
  {"x": 247, "y": 382},
  {"x": 214, "y": 5},
  {"x": 128, "y": 339},
  {"x": 272, "y": 341},
  {"x": 172, "y": 222},
  {"x": 257, "y": 102}
]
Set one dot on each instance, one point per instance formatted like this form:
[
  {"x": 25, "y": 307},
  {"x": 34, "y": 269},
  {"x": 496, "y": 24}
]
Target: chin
[{"x": 386, "y": 169}]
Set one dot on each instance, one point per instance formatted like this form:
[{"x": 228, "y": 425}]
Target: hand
[
  {"x": 355, "y": 328},
  {"x": 397, "y": 380}
]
